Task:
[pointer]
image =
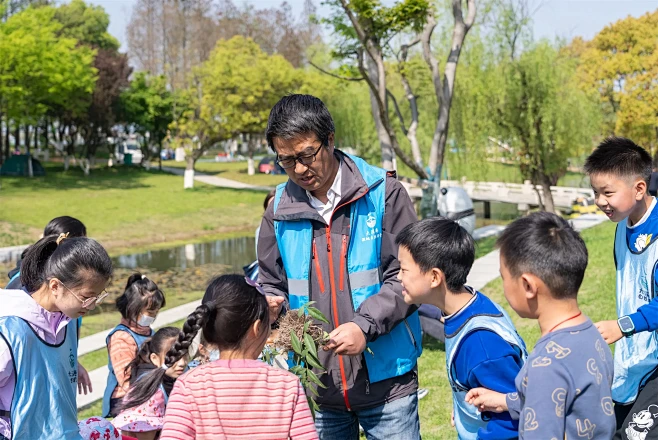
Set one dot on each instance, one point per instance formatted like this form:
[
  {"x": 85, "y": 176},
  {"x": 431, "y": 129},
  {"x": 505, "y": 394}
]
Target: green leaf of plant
[
  {"x": 317, "y": 315},
  {"x": 313, "y": 378},
  {"x": 314, "y": 361},
  {"x": 310, "y": 344},
  {"x": 296, "y": 344}
]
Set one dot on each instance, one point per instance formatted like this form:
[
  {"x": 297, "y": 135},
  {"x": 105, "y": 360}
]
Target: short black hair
[
  {"x": 296, "y": 115},
  {"x": 65, "y": 225},
  {"x": 438, "y": 242},
  {"x": 621, "y": 157},
  {"x": 270, "y": 195},
  {"x": 140, "y": 293},
  {"x": 545, "y": 245}
]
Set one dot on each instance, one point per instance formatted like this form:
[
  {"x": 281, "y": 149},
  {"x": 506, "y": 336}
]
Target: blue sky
[{"x": 555, "y": 18}]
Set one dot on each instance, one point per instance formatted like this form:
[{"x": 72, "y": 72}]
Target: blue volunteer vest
[
  {"x": 112, "y": 382},
  {"x": 467, "y": 418},
  {"x": 16, "y": 276},
  {"x": 395, "y": 353},
  {"x": 44, "y": 402},
  {"x": 635, "y": 357}
]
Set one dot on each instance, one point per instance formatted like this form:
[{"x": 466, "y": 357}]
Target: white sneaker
[{"x": 422, "y": 392}]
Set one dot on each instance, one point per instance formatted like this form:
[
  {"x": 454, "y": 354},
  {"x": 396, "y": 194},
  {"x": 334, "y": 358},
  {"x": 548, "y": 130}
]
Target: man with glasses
[{"x": 329, "y": 237}]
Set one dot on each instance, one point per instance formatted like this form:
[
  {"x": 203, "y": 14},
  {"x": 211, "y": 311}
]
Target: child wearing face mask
[
  {"x": 64, "y": 278},
  {"x": 139, "y": 305},
  {"x": 142, "y": 410}
]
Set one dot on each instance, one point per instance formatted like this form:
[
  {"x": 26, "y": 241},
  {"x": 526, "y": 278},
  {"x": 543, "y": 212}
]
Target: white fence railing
[{"x": 518, "y": 193}]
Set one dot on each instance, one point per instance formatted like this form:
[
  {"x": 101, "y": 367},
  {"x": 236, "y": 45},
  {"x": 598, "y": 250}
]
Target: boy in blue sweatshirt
[
  {"x": 483, "y": 348},
  {"x": 563, "y": 390},
  {"x": 619, "y": 172}
]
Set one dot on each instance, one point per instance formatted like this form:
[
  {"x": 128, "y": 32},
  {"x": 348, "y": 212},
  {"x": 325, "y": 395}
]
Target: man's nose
[{"x": 300, "y": 168}]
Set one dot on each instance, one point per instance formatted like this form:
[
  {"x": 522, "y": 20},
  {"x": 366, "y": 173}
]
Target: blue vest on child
[
  {"x": 467, "y": 418},
  {"x": 636, "y": 357},
  {"x": 112, "y": 382},
  {"x": 395, "y": 353},
  {"x": 44, "y": 402}
]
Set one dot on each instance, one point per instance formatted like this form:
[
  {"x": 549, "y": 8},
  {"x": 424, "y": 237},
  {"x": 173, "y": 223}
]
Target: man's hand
[
  {"x": 274, "y": 303},
  {"x": 84, "y": 383},
  {"x": 609, "y": 330},
  {"x": 487, "y": 400},
  {"x": 346, "y": 339}
]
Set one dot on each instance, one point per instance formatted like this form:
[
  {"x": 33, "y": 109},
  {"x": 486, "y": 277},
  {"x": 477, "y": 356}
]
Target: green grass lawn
[
  {"x": 596, "y": 298},
  {"x": 125, "y": 208},
  {"x": 234, "y": 171}
]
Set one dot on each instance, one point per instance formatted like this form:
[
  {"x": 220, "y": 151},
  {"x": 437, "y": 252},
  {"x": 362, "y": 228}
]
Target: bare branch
[
  {"x": 397, "y": 111},
  {"x": 470, "y": 18},
  {"x": 430, "y": 59},
  {"x": 345, "y": 78}
]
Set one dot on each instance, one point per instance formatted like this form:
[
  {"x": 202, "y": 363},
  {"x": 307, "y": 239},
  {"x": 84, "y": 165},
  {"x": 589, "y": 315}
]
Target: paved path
[
  {"x": 485, "y": 270},
  {"x": 217, "y": 181}
]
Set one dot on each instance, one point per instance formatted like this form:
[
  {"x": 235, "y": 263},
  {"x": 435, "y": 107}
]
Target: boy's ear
[
  {"x": 640, "y": 189},
  {"x": 530, "y": 285},
  {"x": 438, "y": 277}
]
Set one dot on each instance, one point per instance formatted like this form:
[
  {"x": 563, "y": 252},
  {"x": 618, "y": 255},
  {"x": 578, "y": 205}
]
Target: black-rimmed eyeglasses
[{"x": 304, "y": 159}]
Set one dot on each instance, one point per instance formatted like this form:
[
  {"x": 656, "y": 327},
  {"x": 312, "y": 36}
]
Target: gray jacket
[{"x": 377, "y": 315}]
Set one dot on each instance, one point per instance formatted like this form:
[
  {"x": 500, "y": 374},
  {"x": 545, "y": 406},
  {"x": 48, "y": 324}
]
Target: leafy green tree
[
  {"x": 544, "y": 116},
  {"x": 621, "y": 64},
  {"x": 232, "y": 94},
  {"x": 39, "y": 69},
  {"x": 147, "y": 105}
]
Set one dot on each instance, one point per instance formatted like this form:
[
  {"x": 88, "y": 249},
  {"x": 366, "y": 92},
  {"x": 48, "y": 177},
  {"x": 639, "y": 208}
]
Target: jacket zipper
[
  {"x": 411, "y": 335},
  {"x": 343, "y": 255},
  {"x": 318, "y": 270},
  {"x": 334, "y": 300}
]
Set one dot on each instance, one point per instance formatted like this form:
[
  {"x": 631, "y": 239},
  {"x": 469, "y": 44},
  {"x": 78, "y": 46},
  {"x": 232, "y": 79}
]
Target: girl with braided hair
[
  {"x": 237, "y": 396},
  {"x": 141, "y": 412}
]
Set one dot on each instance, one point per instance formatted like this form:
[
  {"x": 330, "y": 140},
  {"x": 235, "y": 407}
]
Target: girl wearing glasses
[
  {"x": 237, "y": 396},
  {"x": 65, "y": 279},
  {"x": 139, "y": 305}
]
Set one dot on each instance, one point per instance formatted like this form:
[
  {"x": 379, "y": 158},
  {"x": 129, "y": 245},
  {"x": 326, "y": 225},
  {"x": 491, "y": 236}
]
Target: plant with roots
[{"x": 300, "y": 338}]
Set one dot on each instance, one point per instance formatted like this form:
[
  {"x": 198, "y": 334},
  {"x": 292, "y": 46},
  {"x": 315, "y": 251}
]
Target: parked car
[
  {"x": 268, "y": 165},
  {"x": 128, "y": 148}
]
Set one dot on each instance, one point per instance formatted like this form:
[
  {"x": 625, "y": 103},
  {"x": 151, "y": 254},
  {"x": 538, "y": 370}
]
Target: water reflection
[{"x": 232, "y": 252}]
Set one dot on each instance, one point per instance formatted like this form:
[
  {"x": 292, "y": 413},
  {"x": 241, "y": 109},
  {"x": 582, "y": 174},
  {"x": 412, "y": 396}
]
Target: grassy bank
[
  {"x": 597, "y": 300},
  {"x": 124, "y": 207}
]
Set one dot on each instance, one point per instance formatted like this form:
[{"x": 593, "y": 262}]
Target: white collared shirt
[{"x": 326, "y": 210}]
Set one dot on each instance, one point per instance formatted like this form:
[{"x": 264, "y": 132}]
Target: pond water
[{"x": 233, "y": 252}]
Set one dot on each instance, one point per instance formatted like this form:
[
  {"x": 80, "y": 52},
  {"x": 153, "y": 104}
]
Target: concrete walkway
[
  {"x": 485, "y": 270},
  {"x": 217, "y": 181}
]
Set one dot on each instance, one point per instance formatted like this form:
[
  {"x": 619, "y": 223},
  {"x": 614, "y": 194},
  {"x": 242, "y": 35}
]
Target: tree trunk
[
  {"x": 382, "y": 134},
  {"x": 67, "y": 160},
  {"x": 2, "y": 150},
  {"x": 549, "y": 204},
  {"x": 17, "y": 135},
  {"x": 7, "y": 132},
  {"x": 160, "y": 155},
  {"x": 188, "y": 179},
  {"x": 27, "y": 137}
]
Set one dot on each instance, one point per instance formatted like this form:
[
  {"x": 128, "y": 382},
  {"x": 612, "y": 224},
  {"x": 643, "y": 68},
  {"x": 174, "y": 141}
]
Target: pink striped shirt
[{"x": 232, "y": 399}]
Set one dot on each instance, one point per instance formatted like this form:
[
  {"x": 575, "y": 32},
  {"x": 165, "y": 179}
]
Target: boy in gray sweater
[{"x": 563, "y": 390}]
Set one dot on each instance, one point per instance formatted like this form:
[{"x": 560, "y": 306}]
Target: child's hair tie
[
  {"x": 143, "y": 277},
  {"x": 164, "y": 367},
  {"x": 61, "y": 238}
]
